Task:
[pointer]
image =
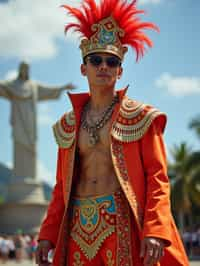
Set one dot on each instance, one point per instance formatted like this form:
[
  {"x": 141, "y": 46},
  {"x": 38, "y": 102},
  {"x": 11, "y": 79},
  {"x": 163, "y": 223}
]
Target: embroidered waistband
[
  {"x": 117, "y": 192},
  {"x": 93, "y": 219}
]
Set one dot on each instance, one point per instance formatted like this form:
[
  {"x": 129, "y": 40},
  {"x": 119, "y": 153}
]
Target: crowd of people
[
  {"x": 23, "y": 246},
  {"x": 191, "y": 240},
  {"x": 17, "y": 247}
]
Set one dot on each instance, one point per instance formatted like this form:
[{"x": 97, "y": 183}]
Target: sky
[{"x": 168, "y": 76}]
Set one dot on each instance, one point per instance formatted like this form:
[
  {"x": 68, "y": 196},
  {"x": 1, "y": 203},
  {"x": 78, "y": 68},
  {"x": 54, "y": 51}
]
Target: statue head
[{"x": 23, "y": 73}]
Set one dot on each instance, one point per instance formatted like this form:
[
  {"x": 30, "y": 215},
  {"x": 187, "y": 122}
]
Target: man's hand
[
  {"x": 69, "y": 86},
  {"x": 151, "y": 250},
  {"x": 44, "y": 246}
]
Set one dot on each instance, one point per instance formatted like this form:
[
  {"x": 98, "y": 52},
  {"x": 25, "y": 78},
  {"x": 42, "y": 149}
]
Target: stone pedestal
[{"x": 24, "y": 208}]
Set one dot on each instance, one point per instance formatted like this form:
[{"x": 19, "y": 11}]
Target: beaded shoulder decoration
[
  {"x": 133, "y": 120},
  {"x": 64, "y": 130}
]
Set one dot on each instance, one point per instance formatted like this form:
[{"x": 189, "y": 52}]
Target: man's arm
[
  {"x": 47, "y": 93},
  {"x": 51, "y": 225},
  {"x": 157, "y": 213},
  {"x": 4, "y": 90}
]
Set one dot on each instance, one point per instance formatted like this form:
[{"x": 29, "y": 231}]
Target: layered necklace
[{"x": 93, "y": 127}]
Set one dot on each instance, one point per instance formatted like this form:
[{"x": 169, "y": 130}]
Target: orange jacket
[{"x": 139, "y": 160}]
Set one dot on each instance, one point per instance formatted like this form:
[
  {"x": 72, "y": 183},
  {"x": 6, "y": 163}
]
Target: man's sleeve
[
  {"x": 51, "y": 224},
  {"x": 48, "y": 93},
  {"x": 4, "y": 92},
  {"x": 157, "y": 213}
]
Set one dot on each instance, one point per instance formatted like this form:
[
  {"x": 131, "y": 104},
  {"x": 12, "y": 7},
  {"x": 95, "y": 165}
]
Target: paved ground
[
  {"x": 195, "y": 263},
  {"x": 28, "y": 263}
]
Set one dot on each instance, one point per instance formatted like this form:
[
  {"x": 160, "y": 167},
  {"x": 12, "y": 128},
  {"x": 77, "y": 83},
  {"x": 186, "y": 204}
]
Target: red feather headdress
[{"x": 110, "y": 27}]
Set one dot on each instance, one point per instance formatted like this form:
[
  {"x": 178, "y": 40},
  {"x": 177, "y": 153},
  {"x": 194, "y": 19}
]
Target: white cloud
[
  {"x": 29, "y": 29},
  {"x": 44, "y": 174},
  {"x": 44, "y": 115},
  {"x": 144, "y": 2},
  {"x": 179, "y": 86},
  {"x": 9, "y": 165},
  {"x": 11, "y": 74}
]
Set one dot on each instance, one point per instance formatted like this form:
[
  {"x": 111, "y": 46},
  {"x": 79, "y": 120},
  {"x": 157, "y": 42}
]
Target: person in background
[
  {"x": 4, "y": 249},
  {"x": 33, "y": 246},
  {"x": 11, "y": 245}
]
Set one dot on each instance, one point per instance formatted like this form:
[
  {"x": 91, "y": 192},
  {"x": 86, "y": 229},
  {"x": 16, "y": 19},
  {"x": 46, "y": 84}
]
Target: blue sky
[{"x": 168, "y": 76}]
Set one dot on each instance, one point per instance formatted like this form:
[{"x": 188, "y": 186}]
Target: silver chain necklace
[{"x": 93, "y": 128}]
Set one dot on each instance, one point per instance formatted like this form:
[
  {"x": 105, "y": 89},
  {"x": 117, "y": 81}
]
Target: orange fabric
[
  {"x": 146, "y": 159},
  {"x": 146, "y": 165},
  {"x": 106, "y": 253},
  {"x": 51, "y": 225}
]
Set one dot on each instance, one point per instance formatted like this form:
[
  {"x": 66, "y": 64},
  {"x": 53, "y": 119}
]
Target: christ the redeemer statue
[{"x": 23, "y": 95}]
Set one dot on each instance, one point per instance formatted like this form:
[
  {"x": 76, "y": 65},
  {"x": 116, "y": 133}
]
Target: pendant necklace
[{"x": 93, "y": 128}]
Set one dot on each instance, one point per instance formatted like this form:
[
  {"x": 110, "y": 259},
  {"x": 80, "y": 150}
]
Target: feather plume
[{"x": 124, "y": 13}]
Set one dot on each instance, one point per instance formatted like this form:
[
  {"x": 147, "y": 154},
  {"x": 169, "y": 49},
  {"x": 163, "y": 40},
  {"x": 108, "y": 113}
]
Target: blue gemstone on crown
[{"x": 106, "y": 37}]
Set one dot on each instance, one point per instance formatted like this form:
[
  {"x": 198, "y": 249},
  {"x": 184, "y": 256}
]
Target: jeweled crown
[
  {"x": 110, "y": 26},
  {"x": 106, "y": 38}
]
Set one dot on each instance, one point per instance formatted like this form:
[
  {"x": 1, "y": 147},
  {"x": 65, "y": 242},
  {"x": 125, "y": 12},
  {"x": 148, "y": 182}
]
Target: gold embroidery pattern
[
  {"x": 133, "y": 120},
  {"x": 109, "y": 257},
  {"x": 65, "y": 224},
  {"x": 124, "y": 248},
  {"x": 77, "y": 258},
  {"x": 63, "y": 238},
  {"x": 70, "y": 163},
  {"x": 106, "y": 38},
  {"x": 122, "y": 173},
  {"x": 64, "y": 130},
  {"x": 93, "y": 220}
]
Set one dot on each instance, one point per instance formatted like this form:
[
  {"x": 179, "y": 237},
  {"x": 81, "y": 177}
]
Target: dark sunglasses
[{"x": 97, "y": 60}]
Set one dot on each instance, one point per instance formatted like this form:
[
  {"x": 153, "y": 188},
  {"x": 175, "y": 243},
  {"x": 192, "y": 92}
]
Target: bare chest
[{"x": 85, "y": 141}]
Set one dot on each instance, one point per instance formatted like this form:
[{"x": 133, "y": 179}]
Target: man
[
  {"x": 23, "y": 94},
  {"x": 111, "y": 202}
]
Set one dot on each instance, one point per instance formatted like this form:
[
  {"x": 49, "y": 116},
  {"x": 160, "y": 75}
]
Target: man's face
[
  {"x": 23, "y": 71},
  {"x": 102, "y": 70}
]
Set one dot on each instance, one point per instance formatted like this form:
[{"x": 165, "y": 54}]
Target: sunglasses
[{"x": 111, "y": 61}]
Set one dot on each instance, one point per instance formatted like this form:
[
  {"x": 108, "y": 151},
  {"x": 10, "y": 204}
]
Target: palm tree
[
  {"x": 195, "y": 159},
  {"x": 195, "y": 125},
  {"x": 185, "y": 173}
]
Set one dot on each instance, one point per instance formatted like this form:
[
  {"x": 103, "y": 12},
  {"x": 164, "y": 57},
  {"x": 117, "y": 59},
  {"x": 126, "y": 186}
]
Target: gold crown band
[{"x": 106, "y": 39}]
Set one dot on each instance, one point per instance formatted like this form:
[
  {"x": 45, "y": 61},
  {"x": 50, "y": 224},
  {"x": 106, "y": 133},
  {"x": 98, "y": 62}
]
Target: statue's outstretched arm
[
  {"x": 4, "y": 90},
  {"x": 48, "y": 93}
]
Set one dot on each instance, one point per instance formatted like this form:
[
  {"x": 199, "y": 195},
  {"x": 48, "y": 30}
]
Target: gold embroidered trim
[
  {"x": 93, "y": 235},
  {"x": 109, "y": 257},
  {"x": 124, "y": 240},
  {"x": 70, "y": 118},
  {"x": 64, "y": 232},
  {"x": 77, "y": 258},
  {"x": 106, "y": 38},
  {"x": 90, "y": 251},
  {"x": 122, "y": 174},
  {"x": 64, "y": 130},
  {"x": 69, "y": 173},
  {"x": 133, "y": 120},
  {"x": 93, "y": 221}
]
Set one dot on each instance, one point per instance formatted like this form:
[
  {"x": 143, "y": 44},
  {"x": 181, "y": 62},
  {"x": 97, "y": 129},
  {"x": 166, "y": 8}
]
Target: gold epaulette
[
  {"x": 64, "y": 130},
  {"x": 133, "y": 120}
]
